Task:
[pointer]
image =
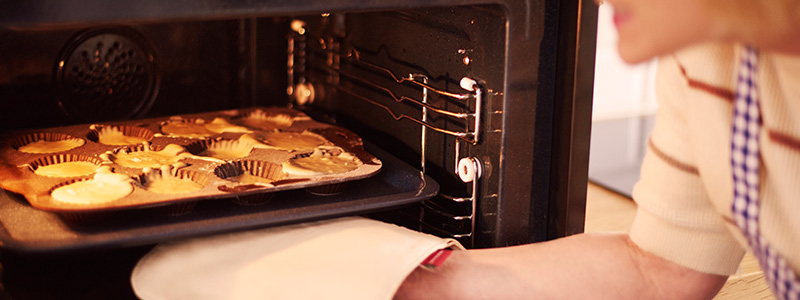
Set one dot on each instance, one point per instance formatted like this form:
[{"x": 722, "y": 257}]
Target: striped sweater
[{"x": 685, "y": 193}]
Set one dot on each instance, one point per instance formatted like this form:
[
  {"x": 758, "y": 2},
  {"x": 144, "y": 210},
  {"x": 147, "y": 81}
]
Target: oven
[{"x": 480, "y": 110}]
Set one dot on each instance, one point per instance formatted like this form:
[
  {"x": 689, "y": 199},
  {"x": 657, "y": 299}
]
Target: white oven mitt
[{"x": 347, "y": 258}]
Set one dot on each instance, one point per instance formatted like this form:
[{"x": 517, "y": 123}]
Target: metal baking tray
[
  {"x": 208, "y": 172},
  {"x": 26, "y": 229}
]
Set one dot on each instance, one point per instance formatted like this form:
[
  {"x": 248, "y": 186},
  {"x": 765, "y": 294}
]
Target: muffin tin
[{"x": 187, "y": 161}]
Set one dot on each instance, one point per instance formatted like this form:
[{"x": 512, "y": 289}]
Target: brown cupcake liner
[
  {"x": 269, "y": 120},
  {"x": 23, "y": 140},
  {"x": 182, "y": 207},
  {"x": 263, "y": 169},
  {"x": 116, "y": 156},
  {"x": 249, "y": 119},
  {"x": 86, "y": 218},
  {"x": 263, "y": 137},
  {"x": 78, "y": 179},
  {"x": 253, "y": 199},
  {"x": 197, "y": 177},
  {"x": 198, "y": 121},
  {"x": 136, "y": 148},
  {"x": 258, "y": 168},
  {"x": 70, "y": 181},
  {"x": 183, "y": 174},
  {"x": 200, "y": 147},
  {"x": 132, "y": 131},
  {"x": 112, "y": 156},
  {"x": 63, "y": 158},
  {"x": 328, "y": 189}
]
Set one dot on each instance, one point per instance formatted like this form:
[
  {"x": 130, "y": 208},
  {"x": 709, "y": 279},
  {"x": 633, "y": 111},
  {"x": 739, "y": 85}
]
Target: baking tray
[
  {"x": 29, "y": 230},
  {"x": 191, "y": 165}
]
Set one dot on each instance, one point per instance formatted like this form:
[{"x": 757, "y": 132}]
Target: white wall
[
  {"x": 623, "y": 109},
  {"x": 620, "y": 90}
]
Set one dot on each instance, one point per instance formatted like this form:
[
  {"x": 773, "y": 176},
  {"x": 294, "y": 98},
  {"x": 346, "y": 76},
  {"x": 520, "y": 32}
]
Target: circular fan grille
[{"x": 107, "y": 74}]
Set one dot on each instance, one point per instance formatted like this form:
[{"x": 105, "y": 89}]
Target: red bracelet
[{"x": 437, "y": 258}]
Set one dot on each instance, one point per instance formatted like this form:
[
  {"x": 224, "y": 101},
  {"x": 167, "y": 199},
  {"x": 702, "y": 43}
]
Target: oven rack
[
  {"x": 474, "y": 92},
  {"x": 302, "y": 92}
]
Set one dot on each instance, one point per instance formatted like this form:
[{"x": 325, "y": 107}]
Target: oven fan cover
[{"x": 108, "y": 73}]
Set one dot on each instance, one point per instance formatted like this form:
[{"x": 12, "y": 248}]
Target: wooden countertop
[{"x": 608, "y": 211}]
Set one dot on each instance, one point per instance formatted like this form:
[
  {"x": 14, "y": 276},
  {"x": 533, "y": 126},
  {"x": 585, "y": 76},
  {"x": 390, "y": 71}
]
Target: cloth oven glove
[{"x": 346, "y": 258}]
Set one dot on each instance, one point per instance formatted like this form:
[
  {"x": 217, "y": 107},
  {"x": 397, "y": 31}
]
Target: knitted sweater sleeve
[{"x": 675, "y": 218}]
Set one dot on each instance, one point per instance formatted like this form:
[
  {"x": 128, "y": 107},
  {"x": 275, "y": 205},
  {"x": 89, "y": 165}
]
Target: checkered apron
[{"x": 745, "y": 161}]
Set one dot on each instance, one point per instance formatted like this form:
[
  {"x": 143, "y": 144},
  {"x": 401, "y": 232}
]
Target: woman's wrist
[{"x": 439, "y": 282}]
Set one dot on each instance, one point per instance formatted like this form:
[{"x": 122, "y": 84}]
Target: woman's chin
[{"x": 633, "y": 55}]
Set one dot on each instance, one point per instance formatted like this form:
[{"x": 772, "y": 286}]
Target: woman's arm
[{"x": 584, "y": 266}]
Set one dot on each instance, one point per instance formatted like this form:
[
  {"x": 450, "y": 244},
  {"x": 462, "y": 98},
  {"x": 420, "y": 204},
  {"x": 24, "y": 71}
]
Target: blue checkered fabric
[{"x": 745, "y": 161}]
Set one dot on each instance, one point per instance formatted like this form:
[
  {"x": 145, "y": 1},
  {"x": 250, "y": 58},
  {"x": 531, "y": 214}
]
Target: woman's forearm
[{"x": 585, "y": 266}]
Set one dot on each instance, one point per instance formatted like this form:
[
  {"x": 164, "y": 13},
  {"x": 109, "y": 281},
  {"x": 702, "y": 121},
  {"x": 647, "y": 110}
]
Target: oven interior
[{"x": 489, "y": 102}]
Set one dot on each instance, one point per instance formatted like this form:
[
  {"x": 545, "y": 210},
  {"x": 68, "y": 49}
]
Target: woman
[{"x": 720, "y": 177}]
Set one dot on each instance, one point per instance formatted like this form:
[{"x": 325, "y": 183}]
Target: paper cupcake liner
[
  {"x": 24, "y": 140},
  {"x": 294, "y": 141},
  {"x": 183, "y": 207},
  {"x": 262, "y": 120},
  {"x": 73, "y": 215},
  {"x": 235, "y": 146},
  {"x": 137, "y": 148},
  {"x": 104, "y": 169},
  {"x": 86, "y": 218},
  {"x": 263, "y": 169},
  {"x": 137, "y": 156},
  {"x": 131, "y": 131},
  {"x": 200, "y": 122},
  {"x": 254, "y": 199},
  {"x": 182, "y": 174},
  {"x": 64, "y": 158},
  {"x": 70, "y": 181},
  {"x": 197, "y": 177},
  {"x": 258, "y": 168}
]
